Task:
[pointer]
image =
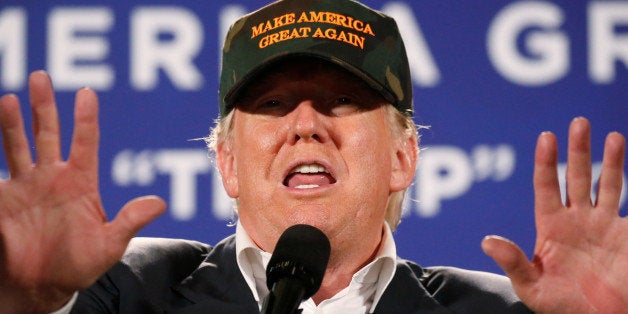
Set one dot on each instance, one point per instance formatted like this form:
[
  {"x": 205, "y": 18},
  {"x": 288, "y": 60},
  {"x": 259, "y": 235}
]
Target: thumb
[
  {"x": 134, "y": 215},
  {"x": 510, "y": 258}
]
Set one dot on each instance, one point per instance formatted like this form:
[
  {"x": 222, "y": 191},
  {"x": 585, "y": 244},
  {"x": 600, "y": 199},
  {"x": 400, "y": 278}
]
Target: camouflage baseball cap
[{"x": 363, "y": 41}]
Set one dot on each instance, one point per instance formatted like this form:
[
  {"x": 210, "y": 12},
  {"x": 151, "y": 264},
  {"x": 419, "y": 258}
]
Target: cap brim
[{"x": 233, "y": 94}]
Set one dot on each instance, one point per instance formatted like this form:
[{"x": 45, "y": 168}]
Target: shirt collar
[
  {"x": 252, "y": 262},
  {"x": 382, "y": 268}
]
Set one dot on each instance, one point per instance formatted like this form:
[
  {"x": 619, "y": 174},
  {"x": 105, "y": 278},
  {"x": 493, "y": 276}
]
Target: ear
[
  {"x": 404, "y": 161},
  {"x": 228, "y": 169}
]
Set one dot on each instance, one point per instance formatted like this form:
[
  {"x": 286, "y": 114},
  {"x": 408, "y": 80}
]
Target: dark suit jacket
[{"x": 181, "y": 276}]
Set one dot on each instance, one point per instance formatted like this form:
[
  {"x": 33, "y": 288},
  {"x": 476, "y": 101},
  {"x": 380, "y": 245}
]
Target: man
[{"x": 315, "y": 104}]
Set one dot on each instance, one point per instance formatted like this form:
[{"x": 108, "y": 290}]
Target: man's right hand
[{"x": 54, "y": 235}]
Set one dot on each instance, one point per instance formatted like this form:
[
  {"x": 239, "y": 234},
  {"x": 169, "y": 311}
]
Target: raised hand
[
  {"x": 580, "y": 262},
  {"x": 54, "y": 235}
]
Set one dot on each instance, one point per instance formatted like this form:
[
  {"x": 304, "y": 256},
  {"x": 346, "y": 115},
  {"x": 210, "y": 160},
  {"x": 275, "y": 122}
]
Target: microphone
[{"x": 296, "y": 268}]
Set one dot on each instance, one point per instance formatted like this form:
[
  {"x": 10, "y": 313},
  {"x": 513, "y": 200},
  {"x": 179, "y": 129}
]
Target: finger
[
  {"x": 84, "y": 149},
  {"x": 134, "y": 216},
  {"x": 610, "y": 183},
  {"x": 14, "y": 138},
  {"x": 45, "y": 118},
  {"x": 546, "y": 189},
  {"x": 511, "y": 259},
  {"x": 579, "y": 163}
]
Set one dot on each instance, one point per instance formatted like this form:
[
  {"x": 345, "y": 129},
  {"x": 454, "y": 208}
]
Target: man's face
[{"x": 312, "y": 144}]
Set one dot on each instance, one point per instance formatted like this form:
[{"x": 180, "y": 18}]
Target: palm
[
  {"x": 581, "y": 254},
  {"x": 581, "y": 259},
  {"x": 55, "y": 238}
]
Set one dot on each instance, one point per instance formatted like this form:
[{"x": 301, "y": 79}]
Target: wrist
[{"x": 34, "y": 300}]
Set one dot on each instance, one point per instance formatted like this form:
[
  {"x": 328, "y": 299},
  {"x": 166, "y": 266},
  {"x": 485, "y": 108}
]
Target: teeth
[
  {"x": 313, "y": 168},
  {"x": 307, "y": 186}
]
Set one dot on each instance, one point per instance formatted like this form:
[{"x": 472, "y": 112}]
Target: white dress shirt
[{"x": 361, "y": 296}]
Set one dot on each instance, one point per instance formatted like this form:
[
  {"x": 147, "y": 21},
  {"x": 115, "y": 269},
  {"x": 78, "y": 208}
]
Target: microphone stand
[{"x": 290, "y": 289}]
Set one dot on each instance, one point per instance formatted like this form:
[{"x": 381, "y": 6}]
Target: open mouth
[{"x": 308, "y": 176}]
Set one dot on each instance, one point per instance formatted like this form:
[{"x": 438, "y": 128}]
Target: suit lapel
[
  {"x": 217, "y": 286},
  {"x": 406, "y": 293}
]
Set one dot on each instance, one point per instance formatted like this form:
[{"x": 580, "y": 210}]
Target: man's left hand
[{"x": 580, "y": 262}]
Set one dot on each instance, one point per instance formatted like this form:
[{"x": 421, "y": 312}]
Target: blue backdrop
[{"x": 489, "y": 76}]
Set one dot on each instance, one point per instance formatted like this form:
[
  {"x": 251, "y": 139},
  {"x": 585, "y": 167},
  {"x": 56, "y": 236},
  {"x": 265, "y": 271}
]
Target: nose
[{"x": 307, "y": 124}]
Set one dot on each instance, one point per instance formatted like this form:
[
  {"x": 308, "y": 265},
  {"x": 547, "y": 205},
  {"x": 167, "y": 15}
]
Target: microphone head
[{"x": 302, "y": 252}]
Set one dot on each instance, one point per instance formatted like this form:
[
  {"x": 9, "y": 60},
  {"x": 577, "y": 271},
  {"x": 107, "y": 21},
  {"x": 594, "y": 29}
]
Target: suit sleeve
[
  {"x": 140, "y": 282},
  {"x": 465, "y": 291}
]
